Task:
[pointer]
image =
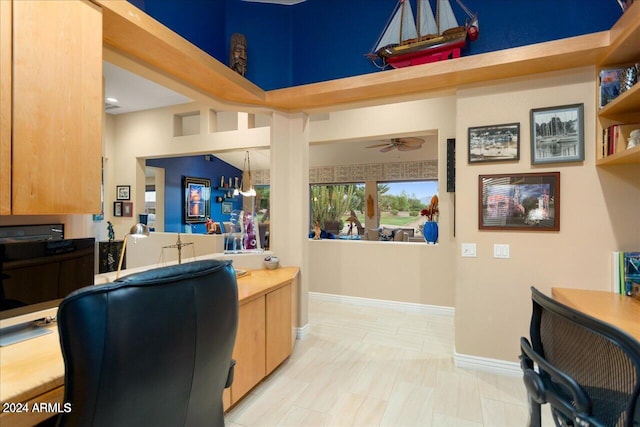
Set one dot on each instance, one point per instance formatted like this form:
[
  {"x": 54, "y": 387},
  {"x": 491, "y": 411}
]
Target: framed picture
[
  {"x": 117, "y": 208},
  {"x": 127, "y": 208},
  {"x": 197, "y": 192},
  {"x": 557, "y": 134},
  {"x": 523, "y": 201},
  {"x": 123, "y": 192},
  {"x": 494, "y": 143},
  {"x": 227, "y": 207}
]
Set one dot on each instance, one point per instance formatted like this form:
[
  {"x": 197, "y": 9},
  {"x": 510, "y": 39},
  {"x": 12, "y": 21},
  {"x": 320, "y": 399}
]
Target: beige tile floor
[{"x": 364, "y": 366}]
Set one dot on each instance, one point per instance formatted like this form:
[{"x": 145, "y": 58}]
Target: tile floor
[{"x": 371, "y": 366}]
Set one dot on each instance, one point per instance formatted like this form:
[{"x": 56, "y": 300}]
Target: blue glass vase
[{"x": 430, "y": 232}]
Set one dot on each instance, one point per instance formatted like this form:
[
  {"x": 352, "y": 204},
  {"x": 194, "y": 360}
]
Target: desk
[
  {"x": 619, "y": 310},
  {"x": 33, "y": 370}
]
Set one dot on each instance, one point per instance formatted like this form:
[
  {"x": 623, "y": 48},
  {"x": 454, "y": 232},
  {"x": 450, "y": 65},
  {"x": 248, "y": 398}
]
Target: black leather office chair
[
  {"x": 151, "y": 349},
  {"x": 587, "y": 370}
]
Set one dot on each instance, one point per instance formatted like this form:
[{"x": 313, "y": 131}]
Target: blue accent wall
[
  {"x": 202, "y": 22},
  {"x": 320, "y": 40},
  {"x": 198, "y": 167}
]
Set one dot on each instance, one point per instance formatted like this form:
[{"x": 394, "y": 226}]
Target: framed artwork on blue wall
[{"x": 197, "y": 192}]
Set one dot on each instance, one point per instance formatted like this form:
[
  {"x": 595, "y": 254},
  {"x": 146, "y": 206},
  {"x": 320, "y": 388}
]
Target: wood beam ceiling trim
[{"x": 130, "y": 31}]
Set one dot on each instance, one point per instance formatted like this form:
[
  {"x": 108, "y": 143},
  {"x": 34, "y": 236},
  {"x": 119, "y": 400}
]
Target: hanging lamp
[{"x": 246, "y": 186}]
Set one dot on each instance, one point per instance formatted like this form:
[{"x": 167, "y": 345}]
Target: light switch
[
  {"x": 501, "y": 251},
  {"x": 469, "y": 250}
]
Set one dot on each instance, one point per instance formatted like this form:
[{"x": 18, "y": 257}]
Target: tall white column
[{"x": 289, "y": 194}]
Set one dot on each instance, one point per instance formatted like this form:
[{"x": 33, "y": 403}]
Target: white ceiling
[{"x": 135, "y": 93}]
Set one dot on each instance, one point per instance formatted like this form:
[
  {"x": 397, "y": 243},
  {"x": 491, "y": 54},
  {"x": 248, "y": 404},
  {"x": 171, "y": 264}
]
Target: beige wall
[
  {"x": 597, "y": 216},
  {"x": 404, "y": 272}
]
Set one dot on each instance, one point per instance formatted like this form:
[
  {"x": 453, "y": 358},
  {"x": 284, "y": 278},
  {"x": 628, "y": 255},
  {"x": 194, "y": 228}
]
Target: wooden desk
[
  {"x": 33, "y": 371},
  {"x": 618, "y": 310}
]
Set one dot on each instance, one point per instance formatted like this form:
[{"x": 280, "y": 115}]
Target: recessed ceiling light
[{"x": 110, "y": 99}]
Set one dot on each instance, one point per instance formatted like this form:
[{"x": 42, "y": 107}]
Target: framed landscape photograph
[
  {"x": 557, "y": 134},
  {"x": 123, "y": 192},
  {"x": 197, "y": 192},
  {"x": 523, "y": 201},
  {"x": 494, "y": 143}
]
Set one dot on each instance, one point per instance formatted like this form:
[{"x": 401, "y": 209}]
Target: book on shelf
[
  {"x": 626, "y": 272},
  {"x": 609, "y": 85},
  {"x": 615, "y": 137}
]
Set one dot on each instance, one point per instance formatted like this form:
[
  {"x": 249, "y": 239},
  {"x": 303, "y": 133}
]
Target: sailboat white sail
[
  {"x": 402, "y": 21},
  {"x": 447, "y": 18},
  {"x": 427, "y": 20}
]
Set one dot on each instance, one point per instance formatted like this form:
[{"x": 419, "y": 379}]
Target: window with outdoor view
[
  {"x": 332, "y": 205},
  {"x": 339, "y": 209},
  {"x": 400, "y": 204}
]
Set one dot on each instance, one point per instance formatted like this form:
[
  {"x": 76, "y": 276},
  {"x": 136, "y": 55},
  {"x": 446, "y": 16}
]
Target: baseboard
[
  {"x": 302, "y": 331},
  {"x": 494, "y": 366},
  {"x": 394, "y": 305}
]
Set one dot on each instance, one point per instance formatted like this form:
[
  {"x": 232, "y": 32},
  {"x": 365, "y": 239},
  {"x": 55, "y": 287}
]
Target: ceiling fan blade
[
  {"x": 378, "y": 145},
  {"x": 388, "y": 148},
  {"x": 414, "y": 142},
  {"x": 403, "y": 147}
]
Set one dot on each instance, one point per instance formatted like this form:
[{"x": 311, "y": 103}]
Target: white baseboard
[
  {"x": 494, "y": 366},
  {"x": 302, "y": 331},
  {"x": 395, "y": 305}
]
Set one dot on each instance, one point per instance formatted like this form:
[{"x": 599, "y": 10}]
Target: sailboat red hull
[{"x": 439, "y": 49}]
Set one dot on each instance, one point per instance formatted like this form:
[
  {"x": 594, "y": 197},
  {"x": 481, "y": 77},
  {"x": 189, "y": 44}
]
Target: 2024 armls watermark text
[{"x": 36, "y": 407}]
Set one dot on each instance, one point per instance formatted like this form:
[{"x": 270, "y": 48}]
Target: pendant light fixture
[{"x": 246, "y": 185}]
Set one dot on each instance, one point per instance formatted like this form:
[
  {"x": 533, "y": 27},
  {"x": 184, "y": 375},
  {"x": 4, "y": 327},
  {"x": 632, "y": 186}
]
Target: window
[
  {"x": 340, "y": 208},
  {"x": 400, "y": 203},
  {"x": 333, "y": 204}
]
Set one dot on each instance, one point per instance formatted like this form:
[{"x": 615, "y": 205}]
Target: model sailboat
[{"x": 427, "y": 37}]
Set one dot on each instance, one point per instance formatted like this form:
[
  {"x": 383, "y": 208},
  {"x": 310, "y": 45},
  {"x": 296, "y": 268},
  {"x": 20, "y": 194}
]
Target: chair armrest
[
  {"x": 539, "y": 383},
  {"x": 232, "y": 366}
]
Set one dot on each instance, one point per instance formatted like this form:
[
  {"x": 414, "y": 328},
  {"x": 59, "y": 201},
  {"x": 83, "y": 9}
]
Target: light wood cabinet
[
  {"x": 623, "y": 51},
  {"x": 249, "y": 350},
  {"x": 268, "y": 317},
  {"x": 52, "y": 107},
  {"x": 278, "y": 327}
]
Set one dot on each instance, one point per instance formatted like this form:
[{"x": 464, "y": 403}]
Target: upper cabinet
[
  {"x": 52, "y": 164},
  {"x": 616, "y": 118}
]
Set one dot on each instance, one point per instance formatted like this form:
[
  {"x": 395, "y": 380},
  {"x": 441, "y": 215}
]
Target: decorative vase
[{"x": 430, "y": 232}]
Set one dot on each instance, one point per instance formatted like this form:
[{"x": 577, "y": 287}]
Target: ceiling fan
[{"x": 401, "y": 144}]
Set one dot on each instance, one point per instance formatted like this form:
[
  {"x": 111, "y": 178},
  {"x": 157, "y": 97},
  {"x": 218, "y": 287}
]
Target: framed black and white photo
[
  {"x": 123, "y": 192},
  {"x": 557, "y": 134},
  {"x": 494, "y": 143},
  {"x": 117, "y": 208}
]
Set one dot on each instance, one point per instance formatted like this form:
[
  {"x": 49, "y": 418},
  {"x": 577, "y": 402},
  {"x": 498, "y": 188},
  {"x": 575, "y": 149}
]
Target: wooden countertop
[
  {"x": 33, "y": 368},
  {"x": 259, "y": 282},
  {"x": 619, "y": 310}
]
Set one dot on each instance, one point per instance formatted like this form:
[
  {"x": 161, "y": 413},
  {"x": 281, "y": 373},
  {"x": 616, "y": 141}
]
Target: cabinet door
[
  {"x": 57, "y": 107},
  {"x": 249, "y": 351},
  {"x": 5, "y": 107},
  {"x": 278, "y": 327}
]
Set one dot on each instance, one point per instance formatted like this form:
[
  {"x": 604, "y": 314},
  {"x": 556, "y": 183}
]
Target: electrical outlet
[
  {"x": 501, "y": 251},
  {"x": 469, "y": 250}
]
